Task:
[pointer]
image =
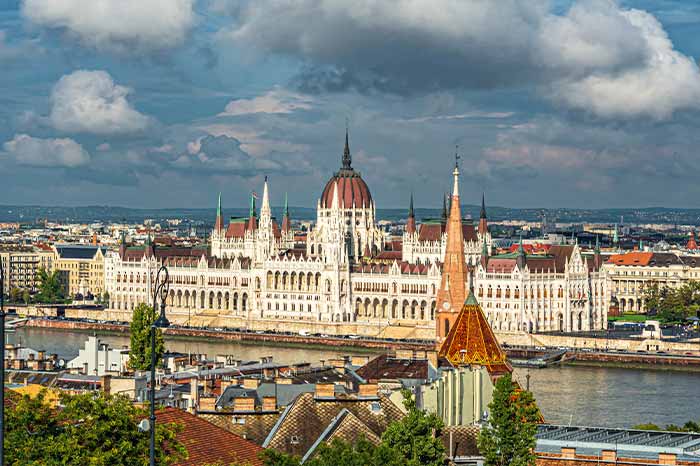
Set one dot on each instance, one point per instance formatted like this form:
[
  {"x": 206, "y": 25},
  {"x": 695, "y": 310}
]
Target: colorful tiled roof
[
  {"x": 471, "y": 341},
  {"x": 207, "y": 443}
]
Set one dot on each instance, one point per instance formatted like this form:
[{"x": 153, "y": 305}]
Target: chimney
[
  {"x": 359, "y": 360},
  {"x": 251, "y": 383},
  {"x": 609, "y": 455},
  {"x": 337, "y": 362},
  {"x": 404, "y": 354},
  {"x": 568, "y": 452},
  {"x": 207, "y": 403},
  {"x": 194, "y": 394},
  {"x": 325, "y": 390},
  {"x": 225, "y": 384},
  {"x": 106, "y": 383},
  {"x": 243, "y": 404},
  {"x": 368, "y": 390},
  {"x": 269, "y": 403},
  {"x": 283, "y": 380}
]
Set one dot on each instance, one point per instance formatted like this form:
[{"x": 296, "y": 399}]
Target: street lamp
[
  {"x": 2, "y": 365},
  {"x": 161, "y": 288}
]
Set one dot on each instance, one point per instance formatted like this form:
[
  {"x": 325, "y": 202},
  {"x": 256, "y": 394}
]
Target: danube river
[{"x": 567, "y": 395}]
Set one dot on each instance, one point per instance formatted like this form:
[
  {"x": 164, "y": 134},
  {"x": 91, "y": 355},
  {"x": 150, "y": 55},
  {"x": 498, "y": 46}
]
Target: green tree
[
  {"x": 140, "y": 351},
  {"x": 50, "y": 287},
  {"x": 416, "y": 436},
  {"x": 88, "y": 429},
  {"x": 26, "y": 297},
  {"x": 508, "y": 438},
  {"x": 105, "y": 299},
  {"x": 673, "y": 305},
  {"x": 15, "y": 295}
]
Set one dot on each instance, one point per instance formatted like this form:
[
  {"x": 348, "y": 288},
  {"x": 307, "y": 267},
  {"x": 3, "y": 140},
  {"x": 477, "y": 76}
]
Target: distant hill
[{"x": 88, "y": 214}]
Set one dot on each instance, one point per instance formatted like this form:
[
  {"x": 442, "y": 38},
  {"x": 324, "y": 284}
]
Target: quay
[{"x": 520, "y": 355}]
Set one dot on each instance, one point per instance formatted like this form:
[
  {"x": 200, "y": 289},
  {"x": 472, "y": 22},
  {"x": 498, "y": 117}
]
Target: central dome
[{"x": 352, "y": 189}]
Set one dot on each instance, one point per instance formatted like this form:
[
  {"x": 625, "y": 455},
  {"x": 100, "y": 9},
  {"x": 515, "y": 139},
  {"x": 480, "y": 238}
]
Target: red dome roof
[{"x": 352, "y": 189}]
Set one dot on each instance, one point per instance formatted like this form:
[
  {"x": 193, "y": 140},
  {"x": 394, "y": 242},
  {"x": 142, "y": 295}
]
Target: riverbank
[{"x": 611, "y": 359}]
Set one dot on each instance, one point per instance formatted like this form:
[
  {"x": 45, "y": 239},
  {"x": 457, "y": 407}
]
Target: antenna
[{"x": 457, "y": 156}]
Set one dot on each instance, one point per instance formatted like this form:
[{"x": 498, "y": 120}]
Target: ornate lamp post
[{"x": 161, "y": 288}]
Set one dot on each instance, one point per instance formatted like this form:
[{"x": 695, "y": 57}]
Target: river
[{"x": 594, "y": 396}]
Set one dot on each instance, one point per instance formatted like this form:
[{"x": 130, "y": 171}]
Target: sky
[{"x": 166, "y": 103}]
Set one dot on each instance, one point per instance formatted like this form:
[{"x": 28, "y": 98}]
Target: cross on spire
[{"x": 347, "y": 158}]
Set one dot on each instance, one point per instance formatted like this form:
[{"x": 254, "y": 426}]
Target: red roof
[
  {"x": 207, "y": 443},
  {"x": 352, "y": 190},
  {"x": 631, "y": 258},
  {"x": 434, "y": 232}
]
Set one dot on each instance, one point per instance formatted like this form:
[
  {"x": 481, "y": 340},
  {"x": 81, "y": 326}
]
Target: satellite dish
[{"x": 61, "y": 363}]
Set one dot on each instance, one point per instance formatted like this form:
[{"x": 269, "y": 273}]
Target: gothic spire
[
  {"x": 347, "y": 158},
  {"x": 482, "y": 214},
  {"x": 285, "y": 216},
  {"x": 411, "y": 221},
  {"x": 410, "y": 207},
  {"x": 522, "y": 258},
  {"x": 219, "y": 225},
  {"x": 444, "y": 208}
]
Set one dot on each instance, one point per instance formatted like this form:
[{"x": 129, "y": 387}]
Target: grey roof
[
  {"x": 72, "y": 251},
  {"x": 285, "y": 393},
  {"x": 626, "y": 442}
]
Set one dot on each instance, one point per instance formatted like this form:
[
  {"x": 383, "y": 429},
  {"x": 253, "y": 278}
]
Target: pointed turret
[
  {"x": 286, "y": 225},
  {"x": 522, "y": 258},
  {"x": 484, "y": 254},
  {"x": 265, "y": 211},
  {"x": 219, "y": 224},
  {"x": 692, "y": 243},
  {"x": 641, "y": 244},
  {"x": 411, "y": 221},
  {"x": 616, "y": 237},
  {"x": 444, "y": 209},
  {"x": 453, "y": 286},
  {"x": 252, "y": 220},
  {"x": 347, "y": 158},
  {"x": 471, "y": 341},
  {"x": 483, "y": 223},
  {"x": 597, "y": 262},
  {"x": 149, "y": 249}
]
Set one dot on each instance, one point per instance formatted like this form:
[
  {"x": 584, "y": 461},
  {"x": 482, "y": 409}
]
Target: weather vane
[{"x": 457, "y": 156}]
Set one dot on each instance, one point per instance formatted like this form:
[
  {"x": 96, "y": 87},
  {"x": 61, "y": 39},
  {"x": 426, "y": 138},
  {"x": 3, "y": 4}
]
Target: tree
[
  {"x": 93, "y": 428},
  {"x": 15, "y": 295},
  {"x": 416, "y": 436},
  {"x": 508, "y": 438},
  {"x": 105, "y": 299},
  {"x": 26, "y": 297},
  {"x": 140, "y": 351},
  {"x": 50, "y": 287},
  {"x": 673, "y": 305}
]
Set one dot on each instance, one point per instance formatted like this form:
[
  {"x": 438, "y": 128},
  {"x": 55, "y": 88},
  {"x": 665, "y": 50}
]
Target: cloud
[
  {"x": 274, "y": 101},
  {"x": 90, "y": 102},
  {"x": 667, "y": 81},
  {"x": 27, "y": 150},
  {"x": 223, "y": 154},
  {"x": 125, "y": 26},
  {"x": 577, "y": 59}
]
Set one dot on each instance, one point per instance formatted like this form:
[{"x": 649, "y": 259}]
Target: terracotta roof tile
[{"x": 207, "y": 443}]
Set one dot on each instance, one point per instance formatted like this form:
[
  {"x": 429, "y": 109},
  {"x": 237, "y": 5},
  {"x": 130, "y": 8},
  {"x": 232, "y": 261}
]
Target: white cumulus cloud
[
  {"x": 274, "y": 101},
  {"x": 116, "y": 25},
  {"x": 90, "y": 102},
  {"x": 28, "y": 150},
  {"x": 598, "y": 56}
]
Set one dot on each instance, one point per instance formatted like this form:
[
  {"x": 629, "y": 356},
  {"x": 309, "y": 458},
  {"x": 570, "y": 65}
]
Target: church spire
[
  {"x": 411, "y": 221},
  {"x": 522, "y": 258},
  {"x": 219, "y": 225},
  {"x": 265, "y": 211},
  {"x": 347, "y": 158},
  {"x": 453, "y": 286},
  {"x": 285, "y": 216},
  {"x": 444, "y": 209},
  {"x": 252, "y": 222},
  {"x": 483, "y": 223}
]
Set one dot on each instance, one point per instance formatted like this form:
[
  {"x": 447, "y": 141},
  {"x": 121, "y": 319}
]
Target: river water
[{"x": 590, "y": 396}]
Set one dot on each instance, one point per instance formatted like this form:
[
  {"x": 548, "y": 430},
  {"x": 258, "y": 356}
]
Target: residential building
[
  {"x": 21, "y": 265},
  {"x": 81, "y": 269}
]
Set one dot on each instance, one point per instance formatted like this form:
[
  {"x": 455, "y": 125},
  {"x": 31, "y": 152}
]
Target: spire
[
  {"x": 219, "y": 224},
  {"x": 122, "y": 244},
  {"x": 597, "y": 245},
  {"x": 285, "y": 216},
  {"x": 641, "y": 244},
  {"x": 484, "y": 253},
  {"x": 444, "y": 209},
  {"x": 347, "y": 159},
  {"x": 522, "y": 258},
  {"x": 453, "y": 286},
  {"x": 616, "y": 237},
  {"x": 411, "y": 221},
  {"x": 252, "y": 223},
  {"x": 692, "y": 243},
  {"x": 265, "y": 212},
  {"x": 483, "y": 223},
  {"x": 471, "y": 341}
]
